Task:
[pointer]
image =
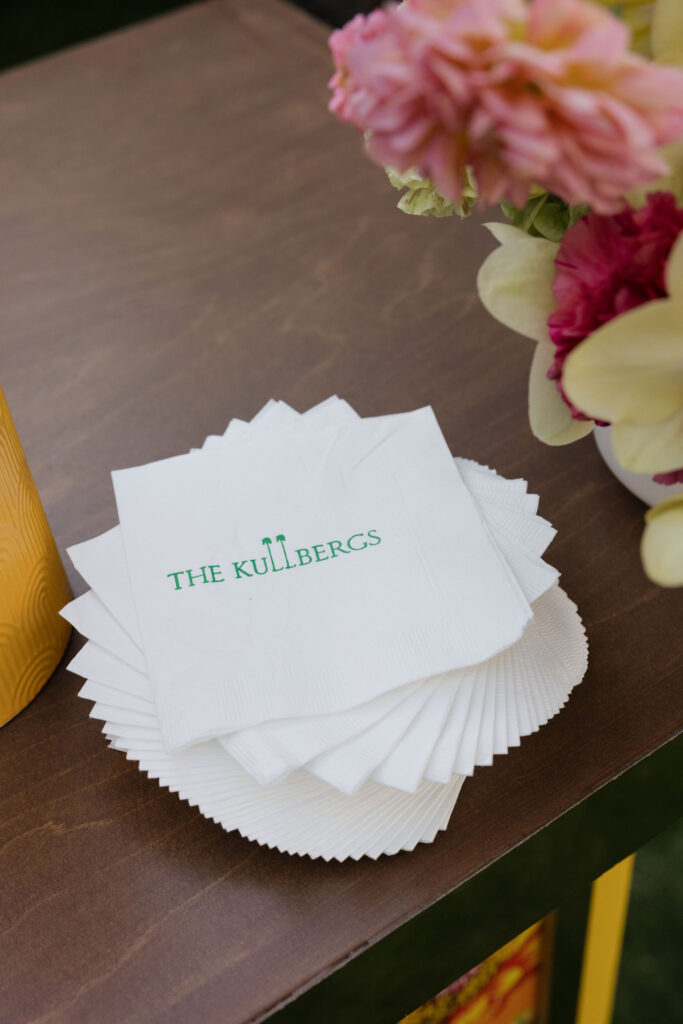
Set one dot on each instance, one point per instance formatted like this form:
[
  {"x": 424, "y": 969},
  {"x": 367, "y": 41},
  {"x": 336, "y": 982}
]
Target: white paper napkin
[
  {"x": 379, "y": 757},
  {"x": 417, "y": 586}
]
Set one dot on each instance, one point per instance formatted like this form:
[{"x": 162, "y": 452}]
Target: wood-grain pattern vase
[{"x": 33, "y": 584}]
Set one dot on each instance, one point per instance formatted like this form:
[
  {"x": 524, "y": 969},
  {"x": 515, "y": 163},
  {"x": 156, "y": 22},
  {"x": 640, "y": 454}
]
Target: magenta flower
[
  {"x": 675, "y": 477},
  {"x": 543, "y": 93},
  {"x": 606, "y": 266}
]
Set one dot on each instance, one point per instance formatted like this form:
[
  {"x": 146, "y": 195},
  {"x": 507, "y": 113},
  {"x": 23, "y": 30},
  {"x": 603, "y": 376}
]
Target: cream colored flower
[
  {"x": 515, "y": 286},
  {"x": 661, "y": 548},
  {"x": 630, "y": 371}
]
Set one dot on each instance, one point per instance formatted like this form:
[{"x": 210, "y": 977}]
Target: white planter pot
[{"x": 640, "y": 484}]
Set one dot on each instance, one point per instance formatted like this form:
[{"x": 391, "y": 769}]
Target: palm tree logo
[{"x": 280, "y": 539}]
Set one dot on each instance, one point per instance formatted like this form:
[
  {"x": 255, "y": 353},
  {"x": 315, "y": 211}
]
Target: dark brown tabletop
[{"x": 184, "y": 232}]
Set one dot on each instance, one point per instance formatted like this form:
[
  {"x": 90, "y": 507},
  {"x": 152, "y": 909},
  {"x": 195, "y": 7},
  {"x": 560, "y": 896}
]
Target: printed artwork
[{"x": 504, "y": 989}]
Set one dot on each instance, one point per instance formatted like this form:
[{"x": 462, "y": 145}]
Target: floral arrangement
[{"x": 569, "y": 114}]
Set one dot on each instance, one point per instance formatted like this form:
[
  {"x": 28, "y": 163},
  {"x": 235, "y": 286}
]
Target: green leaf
[
  {"x": 552, "y": 222},
  {"x": 577, "y": 212},
  {"x": 544, "y": 216}
]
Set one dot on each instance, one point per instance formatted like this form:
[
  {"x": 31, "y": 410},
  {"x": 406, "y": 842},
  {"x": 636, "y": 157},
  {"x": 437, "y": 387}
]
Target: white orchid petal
[
  {"x": 504, "y": 233},
  {"x": 631, "y": 369},
  {"x": 550, "y": 417},
  {"x": 661, "y": 548},
  {"x": 674, "y": 275},
  {"x": 515, "y": 283},
  {"x": 650, "y": 448}
]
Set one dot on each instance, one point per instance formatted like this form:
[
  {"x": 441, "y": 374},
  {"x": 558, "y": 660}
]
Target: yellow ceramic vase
[{"x": 33, "y": 584}]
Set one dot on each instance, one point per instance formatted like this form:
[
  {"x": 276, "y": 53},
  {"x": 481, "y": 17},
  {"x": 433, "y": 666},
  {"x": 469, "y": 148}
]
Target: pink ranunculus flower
[
  {"x": 544, "y": 92},
  {"x": 359, "y": 30},
  {"x": 606, "y": 266}
]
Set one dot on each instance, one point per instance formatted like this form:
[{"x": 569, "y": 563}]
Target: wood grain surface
[{"x": 184, "y": 232}]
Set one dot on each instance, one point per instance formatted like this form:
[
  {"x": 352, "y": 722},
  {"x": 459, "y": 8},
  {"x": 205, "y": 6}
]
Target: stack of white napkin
[{"x": 315, "y": 627}]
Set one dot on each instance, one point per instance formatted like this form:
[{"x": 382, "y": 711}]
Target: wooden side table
[{"x": 185, "y": 231}]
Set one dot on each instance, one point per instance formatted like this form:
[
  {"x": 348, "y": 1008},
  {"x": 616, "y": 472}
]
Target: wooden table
[{"x": 184, "y": 232}]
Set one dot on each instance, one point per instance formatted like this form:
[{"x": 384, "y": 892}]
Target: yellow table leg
[{"x": 604, "y": 939}]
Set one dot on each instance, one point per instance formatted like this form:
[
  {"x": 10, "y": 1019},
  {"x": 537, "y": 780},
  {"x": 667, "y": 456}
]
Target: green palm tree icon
[
  {"x": 281, "y": 539},
  {"x": 267, "y": 541}
]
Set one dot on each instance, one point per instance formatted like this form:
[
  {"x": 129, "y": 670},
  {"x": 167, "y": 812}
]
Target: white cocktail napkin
[
  {"x": 375, "y": 760},
  {"x": 379, "y": 526}
]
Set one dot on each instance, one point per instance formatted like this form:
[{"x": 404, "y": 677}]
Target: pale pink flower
[
  {"x": 359, "y": 30},
  {"x": 543, "y": 93}
]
